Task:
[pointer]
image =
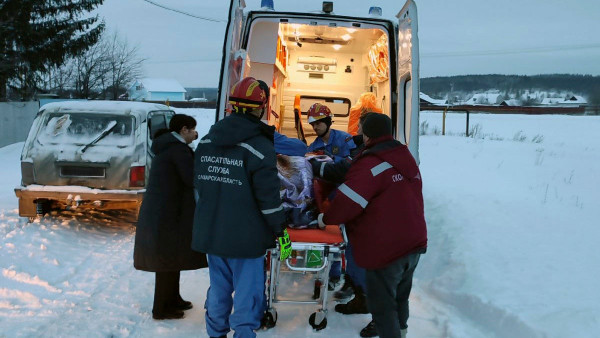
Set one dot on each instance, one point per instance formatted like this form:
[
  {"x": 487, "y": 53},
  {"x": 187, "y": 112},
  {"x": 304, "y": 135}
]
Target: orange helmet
[
  {"x": 249, "y": 94},
  {"x": 317, "y": 112}
]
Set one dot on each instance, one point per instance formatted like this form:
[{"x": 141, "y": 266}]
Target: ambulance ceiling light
[
  {"x": 336, "y": 47},
  {"x": 346, "y": 37},
  {"x": 375, "y": 11},
  {"x": 267, "y": 5}
]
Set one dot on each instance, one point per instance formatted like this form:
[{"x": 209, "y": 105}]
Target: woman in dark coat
[{"x": 164, "y": 229}]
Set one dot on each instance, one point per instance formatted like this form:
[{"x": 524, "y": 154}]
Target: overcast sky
[{"x": 457, "y": 37}]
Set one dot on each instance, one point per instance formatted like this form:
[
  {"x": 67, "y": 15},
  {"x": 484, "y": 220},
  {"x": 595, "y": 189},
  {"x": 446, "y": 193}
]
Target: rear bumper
[{"x": 73, "y": 194}]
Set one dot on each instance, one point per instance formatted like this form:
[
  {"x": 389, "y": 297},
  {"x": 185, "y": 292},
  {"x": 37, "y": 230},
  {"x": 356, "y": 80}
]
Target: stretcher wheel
[
  {"x": 269, "y": 319},
  {"x": 321, "y": 325}
]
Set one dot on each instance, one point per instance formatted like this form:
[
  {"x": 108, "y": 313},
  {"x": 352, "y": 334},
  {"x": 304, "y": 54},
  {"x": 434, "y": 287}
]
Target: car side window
[{"x": 155, "y": 123}]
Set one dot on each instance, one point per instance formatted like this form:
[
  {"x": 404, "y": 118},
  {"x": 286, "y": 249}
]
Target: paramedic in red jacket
[{"x": 381, "y": 204}]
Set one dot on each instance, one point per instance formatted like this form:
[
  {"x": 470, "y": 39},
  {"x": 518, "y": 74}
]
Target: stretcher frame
[{"x": 330, "y": 252}]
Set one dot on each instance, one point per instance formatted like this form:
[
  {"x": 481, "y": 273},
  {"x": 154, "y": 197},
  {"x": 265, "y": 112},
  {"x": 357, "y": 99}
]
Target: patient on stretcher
[{"x": 297, "y": 192}]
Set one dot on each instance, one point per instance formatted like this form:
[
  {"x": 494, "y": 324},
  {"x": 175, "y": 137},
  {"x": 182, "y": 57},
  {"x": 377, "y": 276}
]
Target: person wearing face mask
[
  {"x": 164, "y": 229},
  {"x": 381, "y": 204}
]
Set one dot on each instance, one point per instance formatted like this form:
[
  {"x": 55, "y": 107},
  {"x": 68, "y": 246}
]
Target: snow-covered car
[
  {"x": 88, "y": 154},
  {"x": 198, "y": 99}
]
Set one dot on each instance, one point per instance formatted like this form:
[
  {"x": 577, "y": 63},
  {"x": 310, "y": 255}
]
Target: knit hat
[{"x": 377, "y": 125}]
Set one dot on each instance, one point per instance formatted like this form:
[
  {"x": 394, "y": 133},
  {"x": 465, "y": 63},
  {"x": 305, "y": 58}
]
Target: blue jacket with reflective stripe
[
  {"x": 339, "y": 146},
  {"x": 238, "y": 212}
]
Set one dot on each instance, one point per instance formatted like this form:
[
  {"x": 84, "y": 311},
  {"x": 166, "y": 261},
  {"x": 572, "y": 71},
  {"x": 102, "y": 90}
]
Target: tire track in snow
[{"x": 94, "y": 280}]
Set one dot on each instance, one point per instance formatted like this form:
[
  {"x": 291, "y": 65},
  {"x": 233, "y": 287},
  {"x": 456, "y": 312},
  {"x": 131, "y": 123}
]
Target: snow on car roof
[{"x": 104, "y": 106}]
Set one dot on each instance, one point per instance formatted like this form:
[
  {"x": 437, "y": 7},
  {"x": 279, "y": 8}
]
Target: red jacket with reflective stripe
[{"x": 381, "y": 203}]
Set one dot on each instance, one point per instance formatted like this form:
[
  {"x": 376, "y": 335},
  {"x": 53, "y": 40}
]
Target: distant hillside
[{"x": 463, "y": 85}]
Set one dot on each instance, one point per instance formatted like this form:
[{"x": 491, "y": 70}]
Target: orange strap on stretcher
[{"x": 330, "y": 235}]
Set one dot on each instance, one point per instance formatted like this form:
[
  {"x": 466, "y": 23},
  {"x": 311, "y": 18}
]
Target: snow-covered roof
[
  {"x": 552, "y": 100},
  {"x": 484, "y": 98},
  {"x": 161, "y": 85},
  {"x": 431, "y": 100},
  {"x": 575, "y": 99},
  {"x": 104, "y": 106},
  {"x": 569, "y": 100},
  {"x": 511, "y": 103}
]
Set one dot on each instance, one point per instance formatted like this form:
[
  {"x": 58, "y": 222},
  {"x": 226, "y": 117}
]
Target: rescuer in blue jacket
[{"x": 335, "y": 143}]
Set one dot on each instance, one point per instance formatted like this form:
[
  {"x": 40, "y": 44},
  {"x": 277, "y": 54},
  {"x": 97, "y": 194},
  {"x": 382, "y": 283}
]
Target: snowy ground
[{"x": 513, "y": 230}]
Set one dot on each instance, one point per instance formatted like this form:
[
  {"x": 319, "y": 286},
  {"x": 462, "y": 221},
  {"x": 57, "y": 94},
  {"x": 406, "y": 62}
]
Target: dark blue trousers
[{"x": 355, "y": 272}]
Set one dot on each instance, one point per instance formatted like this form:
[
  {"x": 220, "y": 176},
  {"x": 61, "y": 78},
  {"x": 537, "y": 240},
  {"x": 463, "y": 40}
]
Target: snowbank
[{"x": 512, "y": 245}]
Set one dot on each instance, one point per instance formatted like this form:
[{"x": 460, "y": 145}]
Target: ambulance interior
[{"x": 306, "y": 63}]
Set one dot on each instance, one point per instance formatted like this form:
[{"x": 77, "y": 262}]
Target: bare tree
[
  {"x": 103, "y": 71},
  {"x": 91, "y": 68},
  {"x": 124, "y": 64}
]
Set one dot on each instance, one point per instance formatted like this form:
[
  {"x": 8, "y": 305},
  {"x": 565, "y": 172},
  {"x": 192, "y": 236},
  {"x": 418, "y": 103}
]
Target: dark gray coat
[
  {"x": 164, "y": 230},
  {"x": 239, "y": 211}
]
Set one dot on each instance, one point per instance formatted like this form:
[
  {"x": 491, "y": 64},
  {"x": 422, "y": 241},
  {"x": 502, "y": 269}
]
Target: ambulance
[{"x": 309, "y": 55}]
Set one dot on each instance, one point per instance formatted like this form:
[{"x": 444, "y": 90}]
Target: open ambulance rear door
[
  {"x": 234, "y": 57},
  {"x": 407, "y": 127}
]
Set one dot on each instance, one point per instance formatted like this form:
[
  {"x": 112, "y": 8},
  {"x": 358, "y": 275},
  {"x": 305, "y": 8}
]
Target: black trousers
[
  {"x": 387, "y": 295},
  {"x": 166, "y": 291}
]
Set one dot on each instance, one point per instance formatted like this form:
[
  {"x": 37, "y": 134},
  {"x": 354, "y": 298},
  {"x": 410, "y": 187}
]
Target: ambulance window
[{"x": 339, "y": 106}]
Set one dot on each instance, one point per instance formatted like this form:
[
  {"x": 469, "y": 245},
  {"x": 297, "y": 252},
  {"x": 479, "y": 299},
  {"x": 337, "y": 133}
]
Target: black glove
[{"x": 316, "y": 166}]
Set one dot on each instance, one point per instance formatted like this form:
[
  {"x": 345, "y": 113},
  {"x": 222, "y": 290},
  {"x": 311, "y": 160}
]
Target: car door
[{"x": 157, "y": 120}]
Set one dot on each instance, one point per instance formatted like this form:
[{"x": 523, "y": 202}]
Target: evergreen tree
[{"x": 36, "y": 35}]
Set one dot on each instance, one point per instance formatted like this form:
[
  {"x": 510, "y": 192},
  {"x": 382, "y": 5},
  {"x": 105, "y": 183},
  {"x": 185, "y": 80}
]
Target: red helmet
[
  {"x": 249, "y": 93},
  {"x": 317, "y": 112}
]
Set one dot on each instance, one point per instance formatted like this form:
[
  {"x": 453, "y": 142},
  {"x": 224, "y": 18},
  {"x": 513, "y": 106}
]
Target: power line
[
  {"x": 182, "y": 61},
  {"x": 182, "y": 12},
  {"x": 512, "y": 51}
]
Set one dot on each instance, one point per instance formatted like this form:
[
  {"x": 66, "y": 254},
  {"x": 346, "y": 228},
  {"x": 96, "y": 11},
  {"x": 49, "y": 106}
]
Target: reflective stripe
[
  {"x": 381, "y": 167},
  {"x": 252, "y": 150},
  {"x": 353, "y": 195},
  {"x": 270, "y": 211},
  {"x": 204, "y": 141},
  {"x": 322, "y": 170}
]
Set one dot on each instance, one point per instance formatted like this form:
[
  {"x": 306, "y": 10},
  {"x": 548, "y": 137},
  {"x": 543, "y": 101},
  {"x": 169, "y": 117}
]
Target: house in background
[
  {"x": 427, "y": 100},
  {"x": 569, "y": 100},
  {"x": 511, "y": 103},
  {"x": 547, "y": 101},
  {"x": 574, "y": 100},
  {"x": 155, "y": 89},
  {"x": 488, "y": 98}
]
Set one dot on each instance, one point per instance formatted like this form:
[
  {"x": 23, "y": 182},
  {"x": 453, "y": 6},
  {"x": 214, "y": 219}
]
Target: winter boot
[
  {"x": 370, "y": 330},
  {"x": 347, "y": 289},
  {"x": 358, "y": 304},
  {"x": 333, "y": 283},
  {"x": 170, "y": 314},
  {"x": 181, "y": 304}
]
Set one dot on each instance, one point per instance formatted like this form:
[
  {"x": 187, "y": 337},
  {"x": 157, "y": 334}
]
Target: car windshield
[{"x": 84, "y": 128}]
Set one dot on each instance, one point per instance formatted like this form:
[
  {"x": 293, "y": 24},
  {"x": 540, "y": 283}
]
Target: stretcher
[{"x": 328, "y": 244}]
